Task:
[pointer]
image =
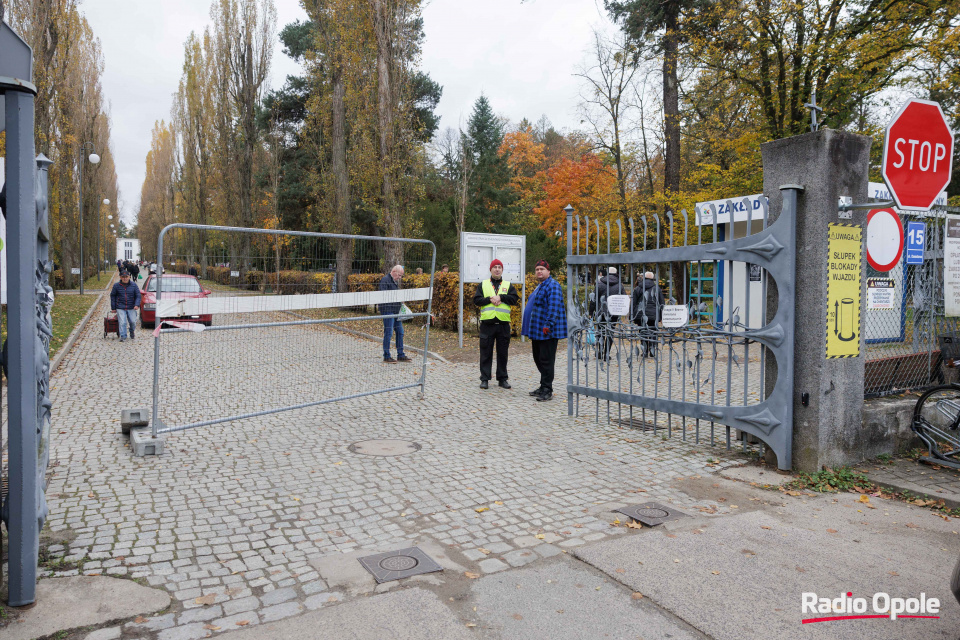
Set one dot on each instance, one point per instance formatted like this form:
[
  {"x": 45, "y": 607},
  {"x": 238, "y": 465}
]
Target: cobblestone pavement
[{"x": 234, "y": 517}]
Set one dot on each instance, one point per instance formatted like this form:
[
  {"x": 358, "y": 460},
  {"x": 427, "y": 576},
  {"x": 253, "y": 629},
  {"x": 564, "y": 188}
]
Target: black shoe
[
  {"x": 403, "y": 359},
  {"x": 505, "y": 384},
  {"x": 546, "y": 395},
  {"x": 536, "y": 392},
  {"x": 390, "y": 360},
  {"x": 131, "y": 335},
  {"x": 484, "y": 384}
]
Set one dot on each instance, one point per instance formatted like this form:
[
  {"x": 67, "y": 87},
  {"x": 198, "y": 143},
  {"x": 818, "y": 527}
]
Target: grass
[
  {"x": 831, "y": 480},
  {"x": 68, "y": 311}
]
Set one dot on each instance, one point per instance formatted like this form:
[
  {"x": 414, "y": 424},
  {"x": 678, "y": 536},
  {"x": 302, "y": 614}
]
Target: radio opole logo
[{"x": 881, "y": 605}]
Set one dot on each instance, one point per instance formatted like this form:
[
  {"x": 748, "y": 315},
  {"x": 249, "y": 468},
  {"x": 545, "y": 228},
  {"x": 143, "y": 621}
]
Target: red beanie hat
[{"x": 495, "y": 263}]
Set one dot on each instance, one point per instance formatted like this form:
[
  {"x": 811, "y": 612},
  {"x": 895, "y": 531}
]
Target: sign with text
[
  {"x": 479, "y": 250},
  {"x": 75, "y": 271},
  {"x": 880, "y": 293},
  {"x": 917, "y": 154},
  {"x": 674, "y": 315},
  {"x": 618, "y": 305},
  {"x": 844, "y": 266},
  {"x": 916, "y": 235},
  {"x": 234, "y": 274},
  {"x": 951, "y": 267}
]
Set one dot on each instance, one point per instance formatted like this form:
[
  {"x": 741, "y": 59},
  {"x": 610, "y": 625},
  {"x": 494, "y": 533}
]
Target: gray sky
[{"x": 520, "y": 55}]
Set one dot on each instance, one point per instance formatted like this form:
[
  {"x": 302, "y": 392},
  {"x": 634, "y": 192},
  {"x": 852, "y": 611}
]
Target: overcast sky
[{"x": 520, "y": 55}]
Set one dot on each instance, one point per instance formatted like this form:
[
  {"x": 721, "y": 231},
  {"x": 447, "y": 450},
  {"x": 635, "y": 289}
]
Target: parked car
[
  {"x": 152, "y": 268},
  {"x": 183, "y": 286}
]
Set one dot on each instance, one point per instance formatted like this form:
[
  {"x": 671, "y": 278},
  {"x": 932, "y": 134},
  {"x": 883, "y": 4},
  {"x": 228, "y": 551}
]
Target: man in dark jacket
[
  {"x": 124, "y": 299},
  {"x": 608, "y": 285},
  {"x": 134, "y": 270},
  {"x": 647, "y": 303},
  {"x": 391, "y": 282},
  {"x": 494, "y": 296}
]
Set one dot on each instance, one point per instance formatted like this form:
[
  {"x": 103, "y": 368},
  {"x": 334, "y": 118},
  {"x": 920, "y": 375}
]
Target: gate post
[{"x": 828, "y": 393}]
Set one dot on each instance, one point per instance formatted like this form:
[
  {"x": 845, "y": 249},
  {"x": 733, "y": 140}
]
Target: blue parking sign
[{"x": 916, "y": 232}]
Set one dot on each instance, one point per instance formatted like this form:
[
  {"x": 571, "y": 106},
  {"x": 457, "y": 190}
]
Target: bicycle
[{"x": 936, "y": 418}]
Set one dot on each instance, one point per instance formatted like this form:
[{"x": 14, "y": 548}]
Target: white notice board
[
  {"x": 478, "y": 250},
  {"x": 951, "y": 267}
]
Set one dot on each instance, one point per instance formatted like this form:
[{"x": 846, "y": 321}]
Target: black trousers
[
  {"x": 545, "y": 356},
  {"x": 649, "y": 344},
  {"x": 494, "y": 335}
]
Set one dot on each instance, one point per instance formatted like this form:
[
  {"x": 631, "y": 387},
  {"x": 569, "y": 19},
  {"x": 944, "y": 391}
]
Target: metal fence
[
  {"x": 258, "y": 321},
  {"x": 904, "y": 316},
  {"x": 724, "y": 363}
]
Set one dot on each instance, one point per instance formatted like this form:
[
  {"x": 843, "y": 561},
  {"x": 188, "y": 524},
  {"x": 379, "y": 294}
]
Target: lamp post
[
  {"x": 106, "y": 201},
  {"x": 94, "y": 159}
]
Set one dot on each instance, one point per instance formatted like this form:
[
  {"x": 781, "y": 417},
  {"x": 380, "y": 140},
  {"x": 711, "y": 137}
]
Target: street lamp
[
  {"x": 106, "y": 201},
  {"x": 94, "y": 159}
]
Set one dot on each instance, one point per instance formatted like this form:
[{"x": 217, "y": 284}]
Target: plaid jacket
[{"x": 545, "y": 310}]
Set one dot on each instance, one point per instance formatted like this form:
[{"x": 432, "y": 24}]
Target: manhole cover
[
  {"x": 384, "y": 447},
  {"x": 651, "y": 513},
  {"x": 395, "y": 565},
  {"x": 398, "y": 563}
]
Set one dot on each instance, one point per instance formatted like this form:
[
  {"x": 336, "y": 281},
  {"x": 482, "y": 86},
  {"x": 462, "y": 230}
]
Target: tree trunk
[
  {"x": 671, "y": 102},
  {"x": 341, "y": 179},
  {"x": 382, "y": 20}
]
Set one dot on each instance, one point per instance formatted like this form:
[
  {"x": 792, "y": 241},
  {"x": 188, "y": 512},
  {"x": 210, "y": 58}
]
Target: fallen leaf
[
  {"x": 865, "y": 498},
  {"x": 211, "y": 627},
  {"x": 893, "y": 573},
  {"x": 539, "y": 536},
  {"x": 482, "y": 509},
  {"x": 911, "y": 525},
  {"x": 471, "y": 575},
  {"x": 210, "y": 598},
  {"x": 716, "y": 573},
  {"x": 634, "y": 525},
  {"x": 793, "y": 493},
  {"x": 764, "y": 527},
  {"x": 470, "y": 624},
  {"x": 242, "y": 623},
  {"x": 498, "y": 502},
  {"x": 332, "y": 599},
  {"x": 517, "y": 616},
  {"x": 559, "y": 610},
  {"x": 831, "y": 530},
  {"x": 485, "y": 552},
  {"x": 621, "y": 570},
  {"x": 636, "y": 595},
  {"x": 140, "y": 620}
]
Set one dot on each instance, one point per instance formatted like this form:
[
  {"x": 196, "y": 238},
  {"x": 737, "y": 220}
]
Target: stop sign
[{"x": 917, "y": 154}]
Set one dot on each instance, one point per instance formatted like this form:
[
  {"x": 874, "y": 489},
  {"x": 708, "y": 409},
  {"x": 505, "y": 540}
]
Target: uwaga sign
[{"x": 844, "y": 259}]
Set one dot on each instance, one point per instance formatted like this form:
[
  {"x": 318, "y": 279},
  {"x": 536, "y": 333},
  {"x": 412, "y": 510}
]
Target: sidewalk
[{"x": 919, "y": 478}]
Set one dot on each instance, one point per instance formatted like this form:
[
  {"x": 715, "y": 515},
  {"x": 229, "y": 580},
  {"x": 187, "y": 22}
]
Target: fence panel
[
  {"x": 279, "y": 320},
  {"x": 905, "y": 314}
]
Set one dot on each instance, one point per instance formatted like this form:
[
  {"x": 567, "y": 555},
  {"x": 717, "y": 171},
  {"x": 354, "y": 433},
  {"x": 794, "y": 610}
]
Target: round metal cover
[
  {"x": 652, "y": 513},
  {"x": 384, "y": 447},
  {"x": 398, "y": 563}
]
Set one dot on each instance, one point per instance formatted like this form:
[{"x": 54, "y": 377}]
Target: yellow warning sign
[{"x": 844, "y": 267}]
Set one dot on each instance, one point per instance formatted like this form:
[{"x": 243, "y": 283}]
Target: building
[{"x": 128, "y": 249}]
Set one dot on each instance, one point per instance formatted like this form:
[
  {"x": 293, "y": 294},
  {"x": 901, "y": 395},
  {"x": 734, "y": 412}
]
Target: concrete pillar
[{"x": 828, "y": 164}]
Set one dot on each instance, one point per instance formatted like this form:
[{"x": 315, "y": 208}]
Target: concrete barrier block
[
  {"x": 133, "y": 418},
  {"x": 144, "y": 444}
]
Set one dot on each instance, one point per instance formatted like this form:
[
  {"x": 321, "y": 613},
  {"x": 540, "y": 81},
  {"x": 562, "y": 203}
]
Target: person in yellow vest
[{"x": 495, "y": 296}]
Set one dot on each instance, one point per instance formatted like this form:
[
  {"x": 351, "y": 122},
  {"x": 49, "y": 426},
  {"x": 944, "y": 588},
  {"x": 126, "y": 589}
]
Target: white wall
[{"x": 128, "y": 253}]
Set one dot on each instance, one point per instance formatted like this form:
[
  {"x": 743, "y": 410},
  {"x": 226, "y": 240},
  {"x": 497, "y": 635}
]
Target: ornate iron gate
[{"x": 701, "y": 372}]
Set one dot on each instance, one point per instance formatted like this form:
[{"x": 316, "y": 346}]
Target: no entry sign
[
  {"x": 884, "y": 239},
  {"x": 917, "y": 154}
]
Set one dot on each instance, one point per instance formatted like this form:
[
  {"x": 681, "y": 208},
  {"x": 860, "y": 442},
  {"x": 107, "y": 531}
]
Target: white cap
[{"x": 612, "y": 270}]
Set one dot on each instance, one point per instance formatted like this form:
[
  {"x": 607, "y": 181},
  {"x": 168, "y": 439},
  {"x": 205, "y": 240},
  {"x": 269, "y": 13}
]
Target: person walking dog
[
  {"x": 545, "y": 323},
  {"x": 495, "y": 296},
  {"x": 124, "y": 299}
]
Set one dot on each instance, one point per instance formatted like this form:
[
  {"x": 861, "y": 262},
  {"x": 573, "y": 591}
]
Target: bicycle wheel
[{"x": 936, "y": 418}]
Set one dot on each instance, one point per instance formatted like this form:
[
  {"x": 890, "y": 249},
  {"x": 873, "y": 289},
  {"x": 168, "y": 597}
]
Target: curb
[
  {"x": 77, "y": 330},
  {"x": 918, "y": 490}
]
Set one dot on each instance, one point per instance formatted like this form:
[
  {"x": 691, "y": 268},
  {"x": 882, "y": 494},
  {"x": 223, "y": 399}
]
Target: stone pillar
[{"x": 828, "y": 164}]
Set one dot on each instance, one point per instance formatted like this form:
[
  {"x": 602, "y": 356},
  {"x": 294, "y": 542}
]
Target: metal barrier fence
[
  {"x": 905, "y": 315},
  {"x": 258, "y": 321},
  {"x": 710, "y": 354}
]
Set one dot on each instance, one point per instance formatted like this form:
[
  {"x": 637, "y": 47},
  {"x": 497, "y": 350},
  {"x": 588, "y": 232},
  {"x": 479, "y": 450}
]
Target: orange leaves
[{"x": 585, "y": 183}]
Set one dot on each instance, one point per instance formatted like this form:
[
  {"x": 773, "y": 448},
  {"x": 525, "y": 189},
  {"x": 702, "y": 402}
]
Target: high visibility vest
[{"x": 500, "y": 312}]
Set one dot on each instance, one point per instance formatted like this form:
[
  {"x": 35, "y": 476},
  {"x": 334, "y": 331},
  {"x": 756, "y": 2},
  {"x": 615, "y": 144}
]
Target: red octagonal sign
[{"x": 917, "y": 154}]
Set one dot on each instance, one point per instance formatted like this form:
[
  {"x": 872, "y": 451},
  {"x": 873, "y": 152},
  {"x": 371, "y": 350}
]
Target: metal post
[
  {"x": 80, "y": 191},
  {"x": 21, "y": 509}
]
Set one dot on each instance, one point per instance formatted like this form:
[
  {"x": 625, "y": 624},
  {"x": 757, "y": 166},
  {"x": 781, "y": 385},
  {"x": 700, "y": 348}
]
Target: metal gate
[
  {"x": 729, "y": 364},
  {"x": 252, "y": 322}
]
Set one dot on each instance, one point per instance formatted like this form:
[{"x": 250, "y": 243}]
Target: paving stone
[
  {"x": 520, "y": 557},
  {"x": 323, "y": 599},
  {"x": 107, "y": 633},
  {"x": 200, "y": 615},
  {"x": 547, "y": 550},
  {"x": 192, "y": 631},
  {"x": 152, "y": 624},
  {"x": 238, "y": 621},
  {"x": 498, "y": 547},
  {"x": 277, "y": 596},
  {"x": 279, "y": 611},
  {"x": 492, "y": 565},
  {"x": 250, "y": 603}
]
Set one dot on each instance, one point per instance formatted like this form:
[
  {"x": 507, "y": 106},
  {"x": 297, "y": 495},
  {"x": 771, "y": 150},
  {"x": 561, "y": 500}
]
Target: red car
[{"x": 182, "y": 286}]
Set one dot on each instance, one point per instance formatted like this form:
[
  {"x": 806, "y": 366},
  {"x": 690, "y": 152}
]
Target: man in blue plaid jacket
[{"x": 545, "y": 323}]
